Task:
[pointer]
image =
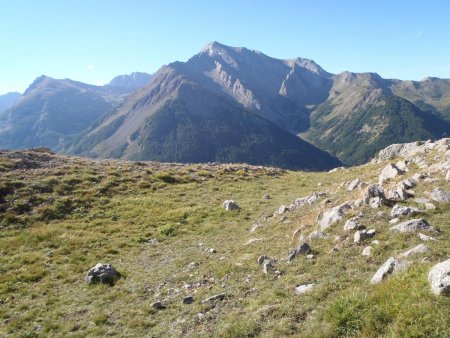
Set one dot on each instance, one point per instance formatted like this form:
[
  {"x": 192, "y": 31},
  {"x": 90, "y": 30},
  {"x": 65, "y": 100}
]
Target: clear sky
[{"x": 94, "y": 40}]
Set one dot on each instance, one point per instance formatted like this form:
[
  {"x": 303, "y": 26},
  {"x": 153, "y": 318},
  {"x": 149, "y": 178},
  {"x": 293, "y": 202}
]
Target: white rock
[
  {"x": 391, "y": 266},
  {"x": 388, "y": 172},
  {"x": 230, "y": 205},
  {"x": 419, "y": 249},
  {"x": 352, "y": 185},
  {"x": 430, "y": 206},
  {"x": 424, "y": 237},
  {"x": 333, "y": 215},
  {"x": 301, "y": 289},
  {"x": 394, "y": 220},
  {"x": 367, "y": 251},
  {"x": 439, "y": 278},
  {"x": 362, "y": 235}
]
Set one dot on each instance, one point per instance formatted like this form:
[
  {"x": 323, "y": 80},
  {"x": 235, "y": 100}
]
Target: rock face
[
  {"x": 419, "y": 249},
  {"x": 102, "y": 273},
  {"x": 333, "y": 215},
  {"x": 390, "y": 171},
  {"x": 440, "y": 195},
  {"x": 230, "y": 205},
  {"x": 401, "y": 210},
  {"x": 391, "y": 266},
  {"x": 412, "y": 226},
  {"x": 439, "y": 278}
]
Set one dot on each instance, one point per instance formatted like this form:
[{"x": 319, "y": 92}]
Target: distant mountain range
[{"x": 229, "y": 104}]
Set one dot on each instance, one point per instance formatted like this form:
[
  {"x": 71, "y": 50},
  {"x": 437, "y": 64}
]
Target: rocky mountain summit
[{"x": 226, "y": 249}]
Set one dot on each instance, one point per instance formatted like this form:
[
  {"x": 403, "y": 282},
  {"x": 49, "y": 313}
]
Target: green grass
[{"x": 109, "y": 215}]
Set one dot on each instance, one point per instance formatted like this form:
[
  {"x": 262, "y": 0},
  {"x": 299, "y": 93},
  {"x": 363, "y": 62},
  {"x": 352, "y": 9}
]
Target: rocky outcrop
[
  {"x": 412, "y": 226},
  {"x": 388, "y": 172}
]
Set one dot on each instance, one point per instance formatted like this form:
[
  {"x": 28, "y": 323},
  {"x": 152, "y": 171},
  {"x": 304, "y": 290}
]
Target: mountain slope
[
  {"x": 178, "y": 120},
  {"x": 362, "y": 116},
  {"x": 7, "y": 100},
  {"x": 51, "y": 110}
]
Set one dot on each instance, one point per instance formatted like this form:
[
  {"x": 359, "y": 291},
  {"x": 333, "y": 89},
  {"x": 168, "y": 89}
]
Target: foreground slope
[
  {"x": 175, "y": 119},
  {"x": 156, "y": 223}
]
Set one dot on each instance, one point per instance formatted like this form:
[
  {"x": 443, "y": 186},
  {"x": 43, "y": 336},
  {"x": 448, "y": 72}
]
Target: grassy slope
[{"x": 81, "y": 212}]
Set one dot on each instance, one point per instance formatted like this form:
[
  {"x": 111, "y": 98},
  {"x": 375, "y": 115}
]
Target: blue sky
[{"x": 92, "y": 41}]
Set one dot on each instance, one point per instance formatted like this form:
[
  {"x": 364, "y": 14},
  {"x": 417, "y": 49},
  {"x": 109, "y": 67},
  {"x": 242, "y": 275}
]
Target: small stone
[
  {"x": 301, "y": 289},
  {"x": 212, "y": 250},
  {"x": 188, "y": 300},
  {"x": 261, "y": 259},
  {"x": 267, "y": 266},
  {"x": 282, "y": 209},
  {"x": 212, "y": 299},
  {"x": 362, "y": 235},
  {"x": 419, "y": 249},
  {"x": 158, "y": 305},
  {"x": 311, "y": 256},
  {"x": 430, "y": 206},
  {"x": 266, "y": 196},
  {"x": 353, "y": 224},
  {"x": 367, "y": 251},
  {"x": 424, "y": 237},
  {"x": 102, "y": 273},
  {"x": 193, "y": 265},
  {"x": 376, "y": 242},
  {"x": 352, "y": 185},
  {"x": 230, "y": 205},
  {"x": 200, "y": 316},
  {"x": 394, "y": 221}
]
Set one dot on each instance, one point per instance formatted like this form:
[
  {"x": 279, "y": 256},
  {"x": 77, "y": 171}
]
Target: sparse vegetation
[{"x": 152, "y": 220}]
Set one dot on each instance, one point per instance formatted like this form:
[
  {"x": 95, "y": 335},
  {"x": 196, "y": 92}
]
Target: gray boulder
[
  {"x": 102, "y": 273},
  {"x": 230, "y": 205},
  {"x": 333, "y": 215},
  {"x": 374, "y": 192},
  {"x": 440, "y": 195},
  {"x": 418, "y": 249},
  {"x": 391, "y": 266},
  {"x": 302, "y": 249},
  {"x": 402, "y": 210},
  {"x": 439, "y": 278},
  {"x": 424, "y": 237},
  {"x": 412, "y": 226},
  {"x": 316, "y": 235}
]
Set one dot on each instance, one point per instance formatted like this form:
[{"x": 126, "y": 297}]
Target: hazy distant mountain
[
  {"x": 177, "y": 119},
  {"x": 133, "y": 81},
  {"x": 51, "y": 110},
  {"x": 6, "y": 100}
]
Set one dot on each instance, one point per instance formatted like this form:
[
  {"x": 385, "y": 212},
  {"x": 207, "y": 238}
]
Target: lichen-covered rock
[
  {"x": 402, "y": 210},
  {"x": 102, "y": 273},
  {"x": 439, "y": 278},
  {"x": 412, "y": 225},
  {"x": 440, "y": 195}
]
